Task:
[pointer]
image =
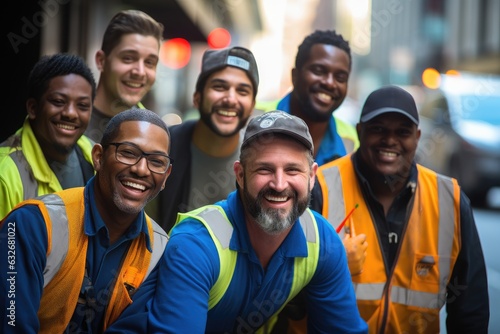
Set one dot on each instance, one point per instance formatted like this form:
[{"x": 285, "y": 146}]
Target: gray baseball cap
[
  {"x": 264, "y": 126},
  {"x": 239, "y": 57}
]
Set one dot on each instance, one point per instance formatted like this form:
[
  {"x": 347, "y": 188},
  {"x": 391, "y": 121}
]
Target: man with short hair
[
  {"x": 206, "y": 148},
  {"x": 127, "y": 64},
  {"x": 232, "y": 266},
  {"x": 423, "y": 247},
  {"x": 320, "y": 80},
  {"x": 73, "y": 261}
]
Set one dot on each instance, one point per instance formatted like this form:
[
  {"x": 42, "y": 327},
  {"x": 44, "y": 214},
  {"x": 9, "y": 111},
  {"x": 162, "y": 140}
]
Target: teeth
[
  {"x": 388, "y": 154},
  {"x": 276, "y": 199},
  {"x": 135, "y": 185},
  {"x": 66, "y": 127},
  {"x": 324, "y": 96},
  {"x": 227, "y": 113},
  {"x": 135, "y": 85}
]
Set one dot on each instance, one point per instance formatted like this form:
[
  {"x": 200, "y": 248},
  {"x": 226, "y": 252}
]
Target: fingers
[{"x": 351, "y": 227}]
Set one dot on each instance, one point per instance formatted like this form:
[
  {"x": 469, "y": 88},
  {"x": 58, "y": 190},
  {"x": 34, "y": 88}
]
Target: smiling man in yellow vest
[{"x": 423, "y": 247}]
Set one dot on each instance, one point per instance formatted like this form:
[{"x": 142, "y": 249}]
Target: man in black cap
[
  {"x": 205, "y": 149},
  {"x": 423, "y": 246},
  {"x": 230, "y": 267}
]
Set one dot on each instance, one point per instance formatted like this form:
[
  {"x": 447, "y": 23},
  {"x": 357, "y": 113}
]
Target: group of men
[{"x": 279, "y": 221}]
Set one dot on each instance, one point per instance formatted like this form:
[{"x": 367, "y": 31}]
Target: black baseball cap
[
  {"x": 270, "y": 123},
  {"x": 389, "y": 99},
  {"x": 239, "y": 57}
]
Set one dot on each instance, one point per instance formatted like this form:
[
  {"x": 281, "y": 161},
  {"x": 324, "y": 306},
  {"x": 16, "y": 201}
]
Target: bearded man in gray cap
[
  {"x": 232, "y": 266},
  {"x": 423, "y": 247},
  {"x": 205, "y": 149}
]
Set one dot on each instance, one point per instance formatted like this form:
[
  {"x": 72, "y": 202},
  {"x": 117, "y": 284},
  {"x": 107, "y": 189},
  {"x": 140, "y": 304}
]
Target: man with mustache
[
  {"x": 232, "y": 266},
  {"x": 206, "y": 149},
  {"x": 320, "y": 80},
  {"x": 424, "y": 250},
  {"x": 78, "y": 258}
]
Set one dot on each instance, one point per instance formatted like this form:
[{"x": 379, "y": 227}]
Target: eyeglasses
[{"x": 130, "y": 154}]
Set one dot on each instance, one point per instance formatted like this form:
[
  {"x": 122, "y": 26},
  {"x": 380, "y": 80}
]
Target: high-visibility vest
[
  {"x": 408, "y": 299},
  {"x": 24, "y": 170},
  {"x": 219, "y": 227},
  {"x": 63, "y": 213}
]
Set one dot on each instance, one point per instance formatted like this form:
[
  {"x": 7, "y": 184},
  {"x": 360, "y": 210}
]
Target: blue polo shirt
[
  {"x": 191, "y": 267},
  {"x": 103, "y": 264}
]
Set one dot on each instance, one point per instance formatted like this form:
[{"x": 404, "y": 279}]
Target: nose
[
  {"x": 279, "y": 181},
  {"x": 70, "y": 111},
  {"x": 329, "y": 79},
  {"x": 141, "y": 167},
  {"x": 139, "y": 68},
  {"x": 389, "y": 138},
  {"x": 231, "y": 97}
]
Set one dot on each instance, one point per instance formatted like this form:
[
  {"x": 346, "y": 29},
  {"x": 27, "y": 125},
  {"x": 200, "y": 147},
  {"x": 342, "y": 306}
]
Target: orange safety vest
[
  {"x": 63, "y": 213},
  {"x": 408, "y": 299}
]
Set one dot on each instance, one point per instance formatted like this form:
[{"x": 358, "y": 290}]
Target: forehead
[
  {"x": 284, "y": 147},
  {"x": 148, "y": 136},
  {"x": 137, "y": 43},
  {"x": 69, "y": 81},
  {"x": 326, "y": 52},
  {"x": 391, "y": 119},
  {"x": 231, "y": 73}
]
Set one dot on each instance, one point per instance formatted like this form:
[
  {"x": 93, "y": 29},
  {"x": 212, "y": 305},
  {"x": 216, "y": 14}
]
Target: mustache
[{"x": 273, "y": 193}]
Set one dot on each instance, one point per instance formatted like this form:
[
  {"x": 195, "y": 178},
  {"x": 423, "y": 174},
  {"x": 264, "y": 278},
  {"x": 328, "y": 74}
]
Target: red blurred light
[
  {"x": 219, "y": 38},
  {"x": 175, "y": 53}
]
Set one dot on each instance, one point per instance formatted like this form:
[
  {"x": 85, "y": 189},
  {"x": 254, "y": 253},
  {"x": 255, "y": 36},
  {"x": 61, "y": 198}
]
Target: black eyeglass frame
[{"x": 143, "y": 155}]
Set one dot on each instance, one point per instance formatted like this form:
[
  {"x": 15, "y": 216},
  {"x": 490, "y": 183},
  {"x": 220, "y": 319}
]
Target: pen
[{"x": 339, "y": 228}]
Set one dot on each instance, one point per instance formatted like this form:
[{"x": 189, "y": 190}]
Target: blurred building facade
[{"x": 392, "y": 40}]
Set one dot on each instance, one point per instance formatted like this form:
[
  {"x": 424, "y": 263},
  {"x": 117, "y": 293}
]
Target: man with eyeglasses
[{"x": 74, "y": 260}]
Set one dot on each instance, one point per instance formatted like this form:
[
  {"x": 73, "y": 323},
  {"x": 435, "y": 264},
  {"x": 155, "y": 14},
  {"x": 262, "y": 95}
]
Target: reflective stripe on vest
[
  {"x": 30, "y": 185},
  {"x": 57, "y": 213},
  {"x": 366, "y": 291}
]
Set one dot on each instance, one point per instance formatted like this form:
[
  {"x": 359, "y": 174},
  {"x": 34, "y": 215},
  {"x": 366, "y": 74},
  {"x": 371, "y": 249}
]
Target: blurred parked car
[{"x": 460, "y": 125}]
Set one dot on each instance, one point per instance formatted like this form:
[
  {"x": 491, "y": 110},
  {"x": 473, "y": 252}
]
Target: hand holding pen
[{"x": 355, "y": 245}]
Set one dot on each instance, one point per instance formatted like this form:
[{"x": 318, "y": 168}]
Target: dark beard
[
  {"x": 205, "y": 117},
  {"x": 312, "y": 113}
]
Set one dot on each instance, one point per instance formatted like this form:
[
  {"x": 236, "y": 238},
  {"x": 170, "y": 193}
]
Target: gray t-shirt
[
  {"x": 69, "y": 173},
  {"x": 212, "y": 179}
]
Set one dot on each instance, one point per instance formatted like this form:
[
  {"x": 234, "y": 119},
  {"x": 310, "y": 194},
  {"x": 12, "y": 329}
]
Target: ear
[
  {"x": 196, "y": 99},
  {"x": 312, "y": 180},
  {"x": 239, "y": 172},
  {"x": 97, "y": 156},
  {"x": 358, "y": 129},
  {"x": 31, "y": 106},
  {"x": 100, "y": 60},
  {"x": 294, "y": 75},
  {"x": 167, "y": 174}
]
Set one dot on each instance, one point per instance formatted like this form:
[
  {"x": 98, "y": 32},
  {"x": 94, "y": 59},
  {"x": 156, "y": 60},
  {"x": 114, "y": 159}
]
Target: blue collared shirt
[
  {"x": 191, "y": 267},
  {"x": 103, "y": 263}
]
